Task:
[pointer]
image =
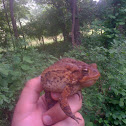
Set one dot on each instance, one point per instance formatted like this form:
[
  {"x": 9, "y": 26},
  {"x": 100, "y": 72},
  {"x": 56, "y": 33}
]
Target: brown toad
[{"x": 67, "y": 76}]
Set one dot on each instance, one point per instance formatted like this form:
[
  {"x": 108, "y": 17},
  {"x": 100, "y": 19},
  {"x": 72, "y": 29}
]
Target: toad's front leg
[
  {"x": 64, "y": 103},
  {"x": 49, "y": 100}
]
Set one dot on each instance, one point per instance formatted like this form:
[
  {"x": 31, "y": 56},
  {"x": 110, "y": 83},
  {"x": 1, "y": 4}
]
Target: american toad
[{"x": 67, "y": 76}]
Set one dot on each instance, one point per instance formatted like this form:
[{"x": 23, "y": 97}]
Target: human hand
[{"x": 31, "y": 109}]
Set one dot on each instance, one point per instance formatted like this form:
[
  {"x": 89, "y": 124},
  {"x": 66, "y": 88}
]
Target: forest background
[{"x": 36, "y": 33}]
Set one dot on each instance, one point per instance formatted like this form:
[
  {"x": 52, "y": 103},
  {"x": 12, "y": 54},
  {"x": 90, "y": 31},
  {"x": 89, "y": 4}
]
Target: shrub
[
  {"x": 15, "y": 69},
  {"x": 105, "y": 102}
]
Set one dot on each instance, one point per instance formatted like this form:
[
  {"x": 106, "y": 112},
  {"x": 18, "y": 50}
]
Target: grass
[
  {"x": 56, "y": 49},
  {"x": 47, "y": 40}
]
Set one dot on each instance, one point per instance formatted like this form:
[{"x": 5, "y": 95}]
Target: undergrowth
[
  {"x": 103, "y": 104},
  {"x": 15, "y": 69},
  {"x": 56, "y": 49}
]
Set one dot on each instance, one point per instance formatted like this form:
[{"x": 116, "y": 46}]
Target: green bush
[
  {"x": 105, "y": 102},
  {"x": 56, "y": 49},
  {"x": 15, "y": 69},
  {"x": 116, "y": 79}
]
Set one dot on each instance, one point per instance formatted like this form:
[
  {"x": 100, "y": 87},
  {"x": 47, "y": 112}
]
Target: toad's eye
[{"x": 85, "y": 71}]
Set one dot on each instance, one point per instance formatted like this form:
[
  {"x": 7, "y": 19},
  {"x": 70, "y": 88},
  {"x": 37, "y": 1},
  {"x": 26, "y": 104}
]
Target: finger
[
  {"x": 29, "y": 95},
  {"x": 70, "y": 122},
  {"x": 55, "y": 114}
]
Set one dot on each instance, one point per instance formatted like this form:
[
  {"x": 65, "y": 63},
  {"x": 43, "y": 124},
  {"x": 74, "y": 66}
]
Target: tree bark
[
  {"x": 75, "y": 23},
  {"x": 77, "y": 26},
  {"x": 21, "y": 29},
  {"x": 65, "y": 33},
  {"x": 13, "y": 19},
  {"x": 43, "y": 40},
  {"x": 22, "y": 33},
  {"x": 8, "y": 22},
  {"x": 55, "y": 38}
]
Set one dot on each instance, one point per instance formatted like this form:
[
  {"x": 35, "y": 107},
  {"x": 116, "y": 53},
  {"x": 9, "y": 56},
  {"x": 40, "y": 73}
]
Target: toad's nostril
[
  {"x": 94, "y": 71},
  {"x": 94, "y": 65}
]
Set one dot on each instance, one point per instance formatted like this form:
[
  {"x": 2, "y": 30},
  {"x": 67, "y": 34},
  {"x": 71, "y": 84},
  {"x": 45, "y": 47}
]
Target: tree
[
  {"x": 75, "y": 23},
  {"x": 13, "y": 19},
  {"x": 6, "y": 14},
  {"x": 114, "y": 20},
  {"x": 70, "y": 14}
]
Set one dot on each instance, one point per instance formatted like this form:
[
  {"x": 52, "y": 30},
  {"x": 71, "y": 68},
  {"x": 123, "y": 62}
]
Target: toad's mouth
[{"x": 89, "y": 83}]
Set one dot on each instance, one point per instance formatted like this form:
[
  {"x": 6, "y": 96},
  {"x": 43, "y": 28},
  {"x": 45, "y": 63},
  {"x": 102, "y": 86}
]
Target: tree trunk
[
  {"x": 77, "y": 27},
  {"x": 8, "y": 22},
  {"x": 65, "y": 36},
  {"x": 43, "y": 40},
  {"x": 75, "y": 23},
  {"x": 22, "y": 32},
  {"x": 21, "y": 29},
  {"x": 65, "y": 32},
  {"x": 55, "y": 38},
  {"x": 13, "y": 19}
]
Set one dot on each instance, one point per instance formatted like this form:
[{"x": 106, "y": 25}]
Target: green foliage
[
  {"x": 50, "y": 22},
  {"x": 105, "y": 102},
  {"x": 114, "y": 20},
  {"x": 54, "y": 24},
  {"x": 56, "y": 49},
  {"x": 87, "y": 11},
  {"x": 15, "y": 69},
  {"x": 56, "y": 18},
  {"x": 116, "y": 98}
]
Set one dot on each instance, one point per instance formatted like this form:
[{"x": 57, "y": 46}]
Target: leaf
[
  {"x": 16, "y": 73},
  {"x": 3, "y": 98},
  {"x": 1, "y": 101},
  {"x": 16, "y": 59},
  {"x": 121, "y": 23},
  {"x": 116, "y": 122},
  {"x": 27, "y": 59},
  {"x": 10, "y": 107},
  {"x": 109, "y": 36},
  {"x": 124, "y": 120},
  {"x": 106, "y": 121},
  {"x": 0, "y": 56},
  {"x": 123, "y": 115},
  {"x": 111, "y": 16},
  {"x": 114, "y": 116},
  {"x": 25, "y": 67},
  {"x": 4, "y": 71},
  {"x": 89, "y": 124},
  {"x": 121, "y": 103}
]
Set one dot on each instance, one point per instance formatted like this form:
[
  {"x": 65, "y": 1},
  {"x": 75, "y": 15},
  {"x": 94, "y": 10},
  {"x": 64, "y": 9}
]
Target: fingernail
[
  {"x": 78, "y": 95},
  {"x": 47, "y": 120},
  {"x": 55, "y": 96}
]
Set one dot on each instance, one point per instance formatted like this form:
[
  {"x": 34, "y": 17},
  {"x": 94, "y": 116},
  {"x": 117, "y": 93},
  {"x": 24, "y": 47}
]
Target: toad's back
[{"x": 56, "y": 77}]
